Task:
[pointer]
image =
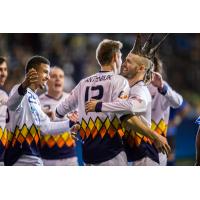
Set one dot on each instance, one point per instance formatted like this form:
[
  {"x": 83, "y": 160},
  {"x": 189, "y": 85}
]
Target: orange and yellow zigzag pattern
[
  {"x": 97, "y": 127},
  {"x": 160, "y": 128},
  {"x": 3, "y": 136},
  {"x": 31, "y": 135},
  {"x": 135, "y": 139},
  {"x": 60, "y": 140}
]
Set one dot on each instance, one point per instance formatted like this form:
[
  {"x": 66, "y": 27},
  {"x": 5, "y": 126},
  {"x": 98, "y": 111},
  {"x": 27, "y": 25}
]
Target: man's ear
[
  {"x": 114, "y": 58},
  {"x": 141, "y": 67}
]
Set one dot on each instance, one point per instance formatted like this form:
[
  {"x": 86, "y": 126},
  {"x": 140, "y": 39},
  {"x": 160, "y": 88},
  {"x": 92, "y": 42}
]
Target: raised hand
[
  {"x": 31, "y": 78},
  {"x": 157, "y": 80}
]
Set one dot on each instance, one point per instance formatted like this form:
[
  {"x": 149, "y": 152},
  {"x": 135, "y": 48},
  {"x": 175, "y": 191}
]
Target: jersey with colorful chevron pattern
[{"x": 56, "y": 146}]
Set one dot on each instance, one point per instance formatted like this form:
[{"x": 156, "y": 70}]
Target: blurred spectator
[{"x": 175, "y": 119}]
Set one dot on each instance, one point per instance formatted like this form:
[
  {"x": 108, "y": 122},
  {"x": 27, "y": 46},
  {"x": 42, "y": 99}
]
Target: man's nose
[{"x": 47, "y": 77}]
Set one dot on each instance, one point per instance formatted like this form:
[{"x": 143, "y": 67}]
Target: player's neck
[
  {"x": 33, "y": 87},
  {"x": 107, "y": 68},
  {"x": 138, "y": 77}
]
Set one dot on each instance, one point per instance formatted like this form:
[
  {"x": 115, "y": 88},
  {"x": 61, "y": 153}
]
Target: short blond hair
[{"x": 106, "y": 49}]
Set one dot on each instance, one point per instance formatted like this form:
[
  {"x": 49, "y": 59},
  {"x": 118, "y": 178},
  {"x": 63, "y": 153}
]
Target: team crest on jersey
[{"x": 123, "y": 95}]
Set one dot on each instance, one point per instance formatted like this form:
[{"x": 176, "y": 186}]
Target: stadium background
[{"x": 75, "y": 53}]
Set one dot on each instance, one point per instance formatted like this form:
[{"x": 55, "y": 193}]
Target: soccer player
[
  {"x": 26, "y": 121},
  {"x": 101, "y": 132},
  {"x": 137, "y": 68},
  {"x": 3, "y": 107},
  {"x": 57, "y": 149},
  {"x": 163, "y": 97}
]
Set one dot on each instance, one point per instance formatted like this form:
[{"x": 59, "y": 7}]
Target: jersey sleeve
[
  {"x": 46, "y": 126},
  {"x": 136, "y": 103},
  {"x": 15, "y": 98},
  {"x": 69, "y": 104},
  {"x": 173, "y": 99}
]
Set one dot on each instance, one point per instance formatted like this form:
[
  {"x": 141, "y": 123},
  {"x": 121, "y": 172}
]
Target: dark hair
[
  {"x": 106, "y": 50},
  {"x": 2, "y": 60},
  {"x": 35, "y": 62}
]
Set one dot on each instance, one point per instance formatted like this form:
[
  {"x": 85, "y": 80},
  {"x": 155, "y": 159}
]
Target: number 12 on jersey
[{"x": 89, "y": 89}]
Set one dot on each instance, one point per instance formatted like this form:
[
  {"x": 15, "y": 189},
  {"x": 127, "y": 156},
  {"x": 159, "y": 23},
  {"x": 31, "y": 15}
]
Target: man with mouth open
[
  {"x": 57, "y": 150},
  {"x": 26, "y": 121}
]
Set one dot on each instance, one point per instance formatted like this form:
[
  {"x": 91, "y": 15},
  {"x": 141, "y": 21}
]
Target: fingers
[
  {"x": 90, "y": 106},
  {"x": 163, "y": 146},
  {"x": 75, "y": 128},
  {"x": 165, "y": 149},
  {"x": 168, "y": 148},
  {"x": 31, "y": 77},
  {"x": 73, "y": 116}
]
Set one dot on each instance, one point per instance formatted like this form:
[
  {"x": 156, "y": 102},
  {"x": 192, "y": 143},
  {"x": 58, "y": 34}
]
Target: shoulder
[
  {"x": 14, "y": 88},
  {"x": 118, "y": 79},
  {"x": 43, "y": 97},
  {"x": 65, "y": 95},
  {"x": 3, "y": 93}
]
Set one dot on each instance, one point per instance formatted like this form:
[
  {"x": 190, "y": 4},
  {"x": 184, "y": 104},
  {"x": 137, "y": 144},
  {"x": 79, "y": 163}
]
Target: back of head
[
  {"x": 105, "y": 51},
  {"x": 35, "y": 61}
]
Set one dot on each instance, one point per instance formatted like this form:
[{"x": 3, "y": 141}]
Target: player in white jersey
[
  {"x": 137, "y": 69},
  {"x": 163, "y": 97},
  {"x": 26, "y": 120},
  {"x": 56, "y": 149},
  {"x": 101, "y": 132},
  {"x": 3, "y": 107}
]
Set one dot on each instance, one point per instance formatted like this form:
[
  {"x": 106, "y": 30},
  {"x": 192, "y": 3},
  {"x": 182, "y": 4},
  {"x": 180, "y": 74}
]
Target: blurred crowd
[{"x": 75, "y": 53}]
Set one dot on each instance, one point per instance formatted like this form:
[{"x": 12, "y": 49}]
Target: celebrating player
[
  {"x": 26, "y": 120},
  {"x": 57, "y": 149}
]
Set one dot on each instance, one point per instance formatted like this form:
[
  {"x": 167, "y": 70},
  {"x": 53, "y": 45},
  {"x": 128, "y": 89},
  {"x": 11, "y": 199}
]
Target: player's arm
[
  {"x": 120, "y": 94},
  {"x": 69, "y": 104},
  {"x": 46, "y": 125},
  {"x": 134, "y": 104},
  {"x": 18, "y": 93},
  {"x": 58, "y": 127},
  {"x": 173, "y": 98},
  {"x": 137, "y": 125}
]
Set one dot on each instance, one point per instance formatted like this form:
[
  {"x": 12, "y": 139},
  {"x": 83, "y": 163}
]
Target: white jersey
[
  {"x": 3, "y": 132},
  {"x": 139, "y": 103},
  {"x": 101, "y": 132},
  {"x": 54, "y": 147},
  {"x": 161, "y": 104},
  {"x": 26, "y": 121}
]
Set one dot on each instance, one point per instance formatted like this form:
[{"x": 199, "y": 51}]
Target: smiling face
[
  {"x": 134, "y": 65},
  {"x": 130, "y": 67},
  {"x": 43, "y": 75},
  {"x": 56, "y": 81},
  {"x": 3, "y": 73}
]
